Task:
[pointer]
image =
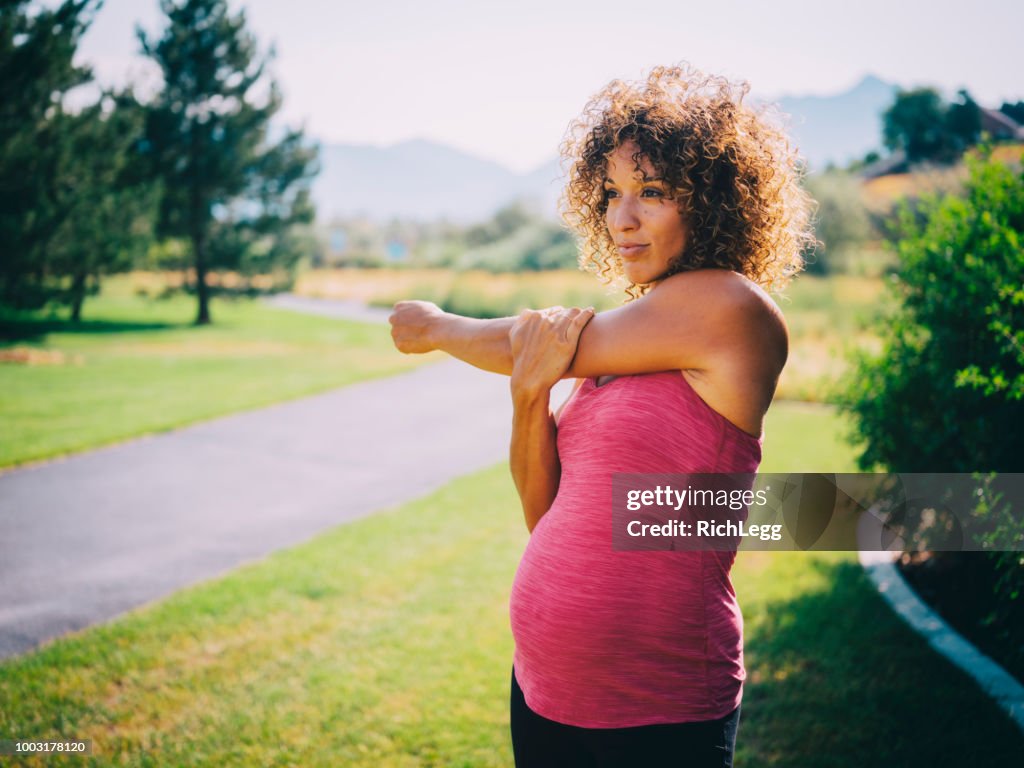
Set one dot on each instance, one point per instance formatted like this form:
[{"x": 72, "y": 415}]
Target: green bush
[{"x": 947, "y": 392}]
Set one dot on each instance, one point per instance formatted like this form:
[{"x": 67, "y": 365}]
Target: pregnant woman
[{"x": 691, "y": 199}]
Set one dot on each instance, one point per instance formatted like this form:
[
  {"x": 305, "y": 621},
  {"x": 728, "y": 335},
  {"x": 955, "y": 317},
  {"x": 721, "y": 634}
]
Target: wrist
[
  {"x": 526, "y": 393},
  {"x": 438, "y": 331}
]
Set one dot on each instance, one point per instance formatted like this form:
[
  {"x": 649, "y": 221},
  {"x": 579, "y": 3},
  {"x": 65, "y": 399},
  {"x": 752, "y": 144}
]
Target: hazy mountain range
[{"x": 425, "y": 180}]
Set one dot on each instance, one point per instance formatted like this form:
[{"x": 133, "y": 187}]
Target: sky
[{"x": 502, "y": 80}]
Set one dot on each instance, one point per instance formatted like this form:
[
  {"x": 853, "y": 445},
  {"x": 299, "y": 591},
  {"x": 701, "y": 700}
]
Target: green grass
[
  {"x": 386, "y": 643},
  {"x": 806, "y": 437},
  {"x": 136, "y": 366}
]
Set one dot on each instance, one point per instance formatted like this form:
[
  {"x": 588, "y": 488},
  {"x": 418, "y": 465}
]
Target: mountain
[
  {"x": 425, "y": 180},
  {"x": 421, "y": 180},
  {"x": 842, "y": 127}
]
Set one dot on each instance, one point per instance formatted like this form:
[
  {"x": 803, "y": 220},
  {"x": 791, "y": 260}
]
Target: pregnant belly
[{"x": 574, "y": 606}]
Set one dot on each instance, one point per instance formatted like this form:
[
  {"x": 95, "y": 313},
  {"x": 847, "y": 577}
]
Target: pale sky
[{"x": 503, "y": 80}]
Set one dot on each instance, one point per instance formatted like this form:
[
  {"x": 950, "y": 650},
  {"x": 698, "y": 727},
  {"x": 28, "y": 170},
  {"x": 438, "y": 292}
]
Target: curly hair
[{"x": 732, "y": 170}]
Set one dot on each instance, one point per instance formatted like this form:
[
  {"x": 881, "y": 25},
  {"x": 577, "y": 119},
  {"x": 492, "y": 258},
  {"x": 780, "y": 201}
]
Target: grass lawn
[
  {"x": 135, "y": 366},
  {"x": 386, "y": 643},
  {"x": 806, "y": 437}
]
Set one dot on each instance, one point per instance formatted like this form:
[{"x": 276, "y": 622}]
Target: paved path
[
  {"x": 86, "y": 538},
  {"x": 350, "y": 310}
]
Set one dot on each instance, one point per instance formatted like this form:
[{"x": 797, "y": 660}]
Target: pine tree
[
  {"x": 108, "y": 203},
  {"x": 36, "y": 71},
  {"x": 226, "y": 189}
]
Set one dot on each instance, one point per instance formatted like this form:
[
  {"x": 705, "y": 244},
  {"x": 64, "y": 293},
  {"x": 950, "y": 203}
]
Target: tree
[
  {"x": 36, "y": 71},
  {"x": 234, "y": 195},
  {"x": 947, "y": 391},
  {"x": 108, "y": 204},
  {"x": 915, "y": 123},
  {"x": 963, "y": 124},
  {"x": 1013, "y": 111},
  {"x": 925, "y": 127}
]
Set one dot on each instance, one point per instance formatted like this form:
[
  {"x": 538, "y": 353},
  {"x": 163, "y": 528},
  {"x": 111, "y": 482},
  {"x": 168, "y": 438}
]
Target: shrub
[
  {"x": 948, "y": 387},
  {"x": 947, "y": 392}
]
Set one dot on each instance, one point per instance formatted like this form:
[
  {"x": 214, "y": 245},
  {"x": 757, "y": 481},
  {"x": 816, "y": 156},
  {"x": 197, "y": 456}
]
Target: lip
[{"x": 631, "y": 250}]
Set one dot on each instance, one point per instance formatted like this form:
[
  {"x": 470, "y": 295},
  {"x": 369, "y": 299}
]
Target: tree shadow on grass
[
  {"x": 35, "y": 329},
  {"x": 835, "y": 679}
]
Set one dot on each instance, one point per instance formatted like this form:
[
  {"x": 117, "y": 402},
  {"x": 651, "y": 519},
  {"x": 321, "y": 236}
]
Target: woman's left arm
[{"x": 543, "y": 346}]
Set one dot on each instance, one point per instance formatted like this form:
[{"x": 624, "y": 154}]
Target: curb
[{"x": 992, "y": 678}]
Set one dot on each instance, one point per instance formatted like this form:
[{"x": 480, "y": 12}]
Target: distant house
[
  {"x": 1001, "y": 126},
  {"x": 884, "y": 166}
]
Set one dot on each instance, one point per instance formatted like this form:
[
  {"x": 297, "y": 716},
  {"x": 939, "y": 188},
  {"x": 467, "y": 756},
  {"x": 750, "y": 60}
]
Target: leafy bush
[
  {"x": 947, "y": 392},
  {"x": 949, "y": 384}
]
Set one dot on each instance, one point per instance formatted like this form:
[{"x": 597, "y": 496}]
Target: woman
[{"x": 692, "y": 198}]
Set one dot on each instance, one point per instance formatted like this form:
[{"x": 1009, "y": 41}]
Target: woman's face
[{"x": 645, "y": 224}]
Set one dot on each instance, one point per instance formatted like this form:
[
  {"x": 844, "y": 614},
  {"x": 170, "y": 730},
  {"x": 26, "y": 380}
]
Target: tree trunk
[
  {"x": 77, "y": 296},
  {"x": 202, "y": 289},
  {"x": 198, "y": 221}
]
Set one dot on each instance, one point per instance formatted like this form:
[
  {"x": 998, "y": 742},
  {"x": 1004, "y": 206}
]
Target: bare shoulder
[
  {"x": 741, "y": 313},
  {"x": 700, "y": 321},
  {"x": 720, "y": 291}
]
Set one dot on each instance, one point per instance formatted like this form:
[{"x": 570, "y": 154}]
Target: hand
[
  {"x": 543, "y": 346},
  {"x": 413, "y": 324}
]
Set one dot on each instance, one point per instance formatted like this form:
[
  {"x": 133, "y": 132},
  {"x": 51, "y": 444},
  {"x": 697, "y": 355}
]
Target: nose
[{"x": 622, "y": 215}]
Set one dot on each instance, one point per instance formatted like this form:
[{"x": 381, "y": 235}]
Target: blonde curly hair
[{"x": 729, "y": 166}]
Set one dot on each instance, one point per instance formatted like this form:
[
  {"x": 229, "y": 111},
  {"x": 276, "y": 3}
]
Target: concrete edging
[{"x": 995, "y": 681}]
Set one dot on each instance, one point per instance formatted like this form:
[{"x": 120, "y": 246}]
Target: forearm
[
  {"x": 533, "y": 454},
  {"x": 481, "y": 343}
]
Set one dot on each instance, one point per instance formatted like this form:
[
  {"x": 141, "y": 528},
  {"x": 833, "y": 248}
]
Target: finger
[
  {"x": 573, "y": 314},
  {"x": 579, "y": 323},
  {"x": 564, "y": 323},
  {"x": 563, "y": 318}
]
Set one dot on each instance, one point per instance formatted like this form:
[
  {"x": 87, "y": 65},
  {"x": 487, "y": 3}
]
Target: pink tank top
[{"x": 609, "y": 639}]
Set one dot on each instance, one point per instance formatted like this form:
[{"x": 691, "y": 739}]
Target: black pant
[{"x": 539, "y": 743}]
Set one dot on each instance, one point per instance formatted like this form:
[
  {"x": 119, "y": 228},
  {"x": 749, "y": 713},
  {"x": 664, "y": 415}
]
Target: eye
[
  {"x": 652, "y": 192},
  {"x": 610, "y": 193}
]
